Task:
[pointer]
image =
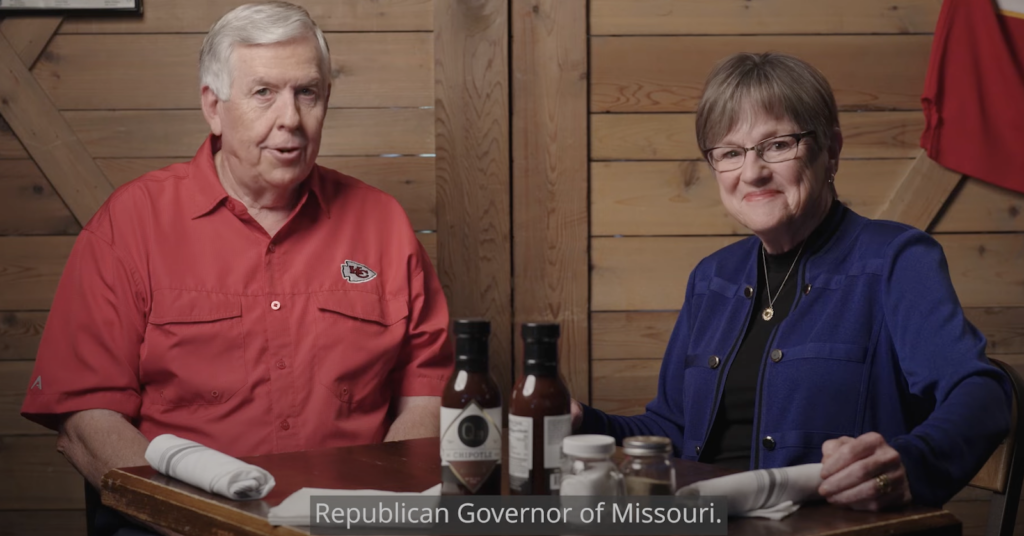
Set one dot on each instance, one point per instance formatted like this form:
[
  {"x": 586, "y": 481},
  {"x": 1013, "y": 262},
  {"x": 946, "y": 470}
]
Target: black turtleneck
[{"x": 731, "y": 434}]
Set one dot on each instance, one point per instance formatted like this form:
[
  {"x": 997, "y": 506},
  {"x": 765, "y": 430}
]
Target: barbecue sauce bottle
[
  {"x": 539, "y": 417},
  {"x": 471, "y": 417}
]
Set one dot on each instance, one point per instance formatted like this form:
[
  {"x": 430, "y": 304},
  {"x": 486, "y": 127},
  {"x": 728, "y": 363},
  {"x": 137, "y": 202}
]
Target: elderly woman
[{"x": 826, "y": 336}]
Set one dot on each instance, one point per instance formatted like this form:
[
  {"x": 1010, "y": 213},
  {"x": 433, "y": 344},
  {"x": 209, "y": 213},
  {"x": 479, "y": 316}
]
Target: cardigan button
[
  {"x": 697, "y": 450},
  {"x": 713, "y": 362},
  {"x": 776, "y": 355},
  {"x": 807, "y": 288},
  {"x": 748, "y": 292},
  {"x": 768, "y": 443}
]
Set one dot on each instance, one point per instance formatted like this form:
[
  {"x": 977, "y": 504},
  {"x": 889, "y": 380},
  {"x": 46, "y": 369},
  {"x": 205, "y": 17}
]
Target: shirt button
[
  {"x": 281, "y": 365},
  {"x": 697, "y": 450},
  {"x": 768, "y": 443},
  {"x": 776, "y": 355},
  {"x": 271, "y": 248},
  {"x": 275, "y": 305},
  {"x": 285, "y": 425},
  {"x": 713, "y": 361},
  {"x": 807, "y": 288},
  {"x": 214, "y": 394},
  {"x": 748, "y": 291}
]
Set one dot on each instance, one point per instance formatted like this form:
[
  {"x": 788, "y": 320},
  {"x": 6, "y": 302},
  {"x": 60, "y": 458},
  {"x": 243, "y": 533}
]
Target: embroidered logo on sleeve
[
  {"x": 38, "y": 384},
  {"x": 356, "y": 273}
]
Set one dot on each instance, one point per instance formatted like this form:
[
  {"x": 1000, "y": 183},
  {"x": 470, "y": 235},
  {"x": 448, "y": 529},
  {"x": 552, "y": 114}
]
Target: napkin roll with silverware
[
  {"x": 208, "y": 469},
  {"x": 770, "y": 493}
]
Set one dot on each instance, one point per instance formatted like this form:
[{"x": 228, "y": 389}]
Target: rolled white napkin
[
  {"x": 770, "y": 493},
  {"x": 295, "y": 509},
  {"x": 208, "y": 469}
]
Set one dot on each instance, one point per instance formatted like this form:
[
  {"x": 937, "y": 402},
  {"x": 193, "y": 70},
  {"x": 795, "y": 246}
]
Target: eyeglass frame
[{"x": 798, "y": 136}]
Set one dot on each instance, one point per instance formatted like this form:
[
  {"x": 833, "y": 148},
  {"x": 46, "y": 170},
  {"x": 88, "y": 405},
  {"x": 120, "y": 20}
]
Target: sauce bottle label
[
  {"x": 471, "y": 443},
  {"x": 520, "y": 451},
  {"x": 520, "y": 446}
]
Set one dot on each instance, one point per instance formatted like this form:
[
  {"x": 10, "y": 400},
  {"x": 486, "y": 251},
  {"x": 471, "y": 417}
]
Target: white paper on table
[
  {"x": 768, "y": 493},
  {"x": 295, "y": 509}
]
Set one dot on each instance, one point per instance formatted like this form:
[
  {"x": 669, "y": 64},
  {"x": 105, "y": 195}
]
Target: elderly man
[{"x": 249, "y": 300}]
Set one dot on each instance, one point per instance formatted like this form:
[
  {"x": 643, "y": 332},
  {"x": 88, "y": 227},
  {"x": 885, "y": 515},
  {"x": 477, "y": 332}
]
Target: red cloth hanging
[{"x": 974, "y": 93}]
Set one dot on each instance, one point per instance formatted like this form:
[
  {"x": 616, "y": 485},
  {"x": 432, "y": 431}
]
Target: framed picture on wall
[{"x": 69, "y": 6}]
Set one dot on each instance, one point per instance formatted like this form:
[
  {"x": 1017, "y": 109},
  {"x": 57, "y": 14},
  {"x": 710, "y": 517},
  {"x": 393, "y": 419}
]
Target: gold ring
[{"x": 883, "y": 484}]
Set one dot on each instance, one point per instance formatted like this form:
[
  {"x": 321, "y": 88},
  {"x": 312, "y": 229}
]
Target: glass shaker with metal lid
[{"x": 648, "y": 468}]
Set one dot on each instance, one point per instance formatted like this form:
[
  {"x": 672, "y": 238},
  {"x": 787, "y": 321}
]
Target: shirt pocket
[
  {"x": 819, "y": 385},
  {"x": 359, "y": 337},
  {"x": 194, "y": 350}
]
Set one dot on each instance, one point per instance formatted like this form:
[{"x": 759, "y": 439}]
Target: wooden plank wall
[
  {"x": 128, "y": 89},
  {"x": 655, "y": 209}
]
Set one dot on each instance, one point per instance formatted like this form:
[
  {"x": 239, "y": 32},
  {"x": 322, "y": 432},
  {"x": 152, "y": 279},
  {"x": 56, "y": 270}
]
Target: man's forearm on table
[
  {"x": 98, "y": 440},
  {"x": 418, "y": 416}
]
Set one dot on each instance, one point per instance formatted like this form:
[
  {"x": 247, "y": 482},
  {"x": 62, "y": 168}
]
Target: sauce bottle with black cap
[
  {"x": 539, "y": 417},
  {"x": 471, "y": 417}
]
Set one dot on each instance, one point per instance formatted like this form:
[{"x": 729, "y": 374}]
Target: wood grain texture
[
  {"x": 429, "y": 241},
  {"x": 921, "y": 194},
  {"x": 30, "y": 268},
  {"x": 624, "y": 386},
  {"x": 196, "y": 16},
  {"x": 471, "y": 92},
  {"x": 631, "y": 335},
  {"x": 48, "y": 138},
  {"x": 672, "y": 136},
  {"x": 978, "y": 207},
  {"x": 643, "y": 17},
  {"x": 646, "y": 273},
  {"x": 682, "y": 198},
  {"x": 179, "y": 133},
  {"x": 645, "y": 334},
  {"x": 14, "y": 380},
  {"x": 409, "y": 179},
  {"x": 20, "y": 332},
  {"x": 549, "y": 178},
  {"x": 36, "y": 477},
  {"x": 28, "y": 35},
  {"x": 986, "y": 268},
  {"x": 650, "y": 273},
  {"x": 666, "y": 74},
  {"x": 118, "y": 72},
  {"x": 43, "y": 522},
  {"x": 28, "y": 204},
  {"x": 10, "y": 147}
]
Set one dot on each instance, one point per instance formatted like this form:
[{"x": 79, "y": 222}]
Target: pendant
[{"x": 768, "y": 313}]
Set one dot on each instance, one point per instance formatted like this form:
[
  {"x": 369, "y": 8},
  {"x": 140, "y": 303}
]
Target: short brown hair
[{"x": 779, "y": 84}]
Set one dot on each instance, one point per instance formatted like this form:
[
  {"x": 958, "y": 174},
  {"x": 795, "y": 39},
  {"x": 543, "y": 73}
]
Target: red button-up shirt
[{"x": 178, "y": 310}]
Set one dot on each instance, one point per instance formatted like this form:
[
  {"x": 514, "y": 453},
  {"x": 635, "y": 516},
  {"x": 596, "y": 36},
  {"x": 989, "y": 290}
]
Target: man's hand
[
  {"x": 863, "y": 473},
  {"x": 416, "y": 416}
]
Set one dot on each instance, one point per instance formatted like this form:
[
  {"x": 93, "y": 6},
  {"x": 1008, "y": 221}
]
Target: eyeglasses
[{"x": 772, "y": 150}]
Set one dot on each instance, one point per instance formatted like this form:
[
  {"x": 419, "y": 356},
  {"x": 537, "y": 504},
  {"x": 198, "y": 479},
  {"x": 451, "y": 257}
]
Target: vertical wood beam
[
  {"x": 48, "y": 138},
  {"x": 550, "y": 178},
  {"x": 472, "y": 168},
  {"x": 921, "y": 193}
]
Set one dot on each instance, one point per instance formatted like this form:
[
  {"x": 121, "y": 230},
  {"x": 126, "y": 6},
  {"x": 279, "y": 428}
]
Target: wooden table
[{"x": 415, "y": 466}]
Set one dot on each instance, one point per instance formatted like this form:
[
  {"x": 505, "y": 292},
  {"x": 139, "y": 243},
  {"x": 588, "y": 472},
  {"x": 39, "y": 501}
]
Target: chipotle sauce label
[{"x": 471, "y": 443}]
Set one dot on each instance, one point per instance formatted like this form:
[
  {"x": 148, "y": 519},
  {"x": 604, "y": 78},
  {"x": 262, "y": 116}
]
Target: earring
[{"x": 832, "y": 178}]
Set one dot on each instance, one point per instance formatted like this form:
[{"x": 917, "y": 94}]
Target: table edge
[{"x": 137, "y": 497}]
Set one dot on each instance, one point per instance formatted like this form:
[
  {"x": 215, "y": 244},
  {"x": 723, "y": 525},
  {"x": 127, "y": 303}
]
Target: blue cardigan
[{"x": 876, "y": 342}]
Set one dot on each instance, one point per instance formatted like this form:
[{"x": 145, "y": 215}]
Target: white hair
[{"x": 254, "y": 24}]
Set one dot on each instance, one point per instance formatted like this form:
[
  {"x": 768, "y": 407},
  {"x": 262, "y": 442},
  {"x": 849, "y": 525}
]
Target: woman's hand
[
  {"x": 576, "y": 410},
  {"x": 863, "y": 473}
]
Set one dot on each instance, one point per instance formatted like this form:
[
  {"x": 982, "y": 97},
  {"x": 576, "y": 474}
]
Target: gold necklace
[{"x": 769, "y": 311}]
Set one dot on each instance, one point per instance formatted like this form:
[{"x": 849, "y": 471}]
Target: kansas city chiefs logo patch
[{"x": 356, "y": 273}]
